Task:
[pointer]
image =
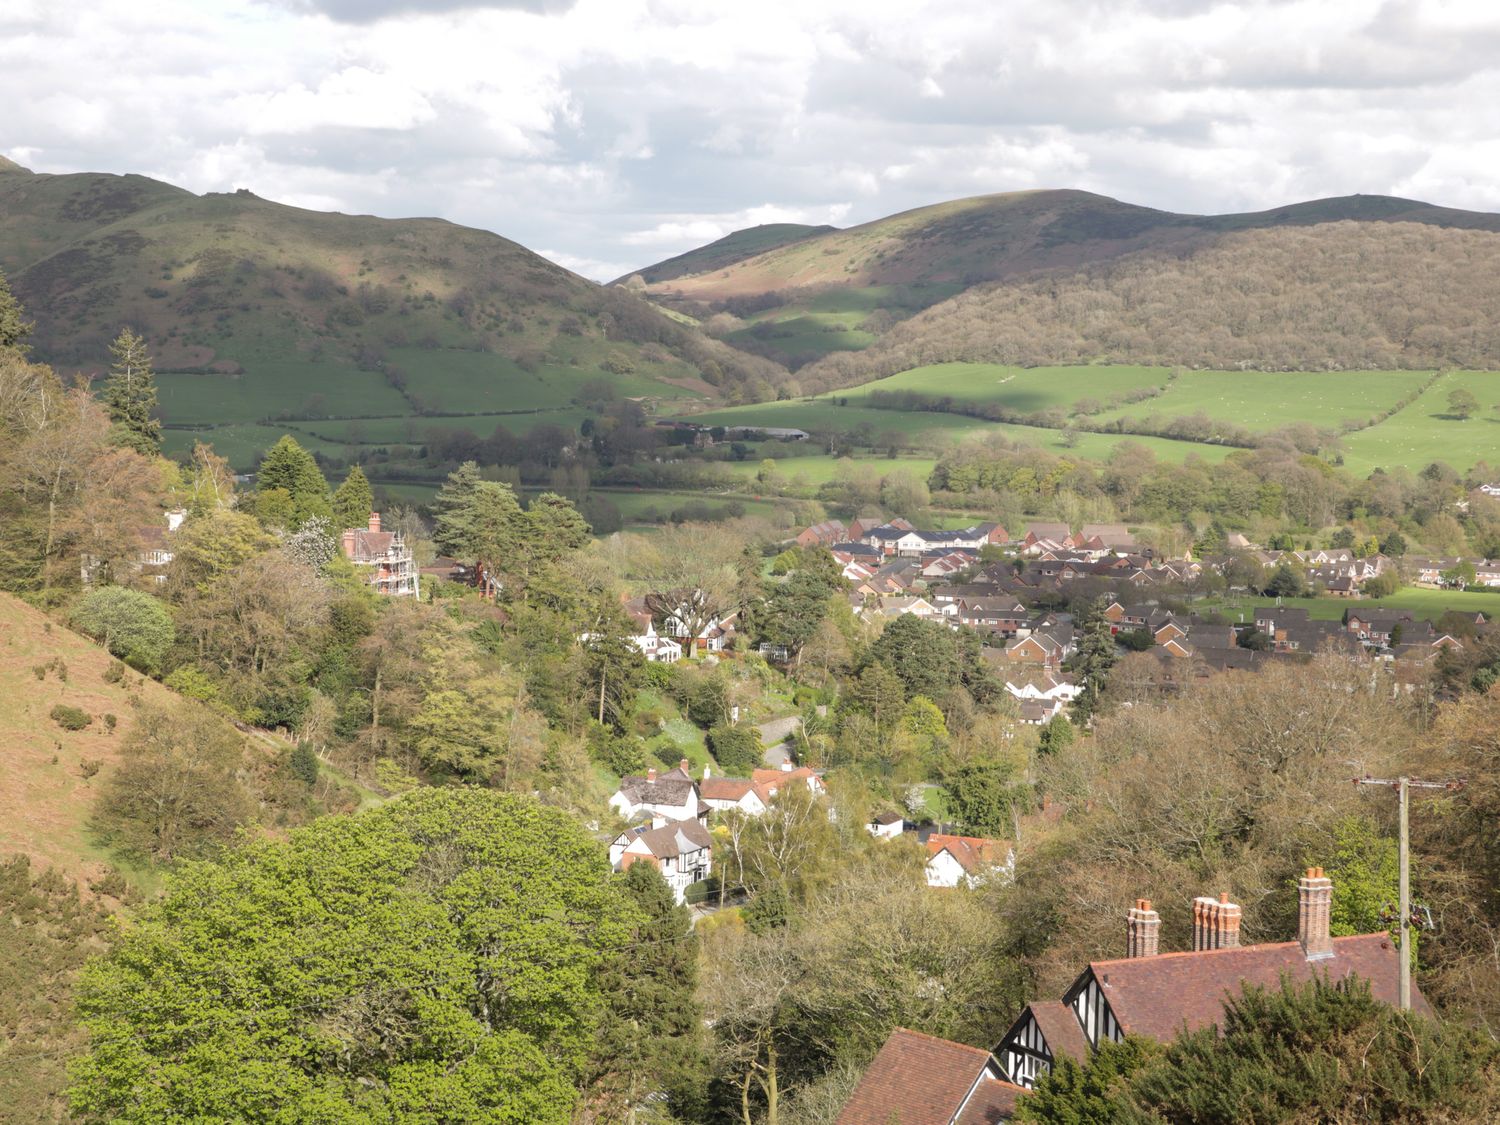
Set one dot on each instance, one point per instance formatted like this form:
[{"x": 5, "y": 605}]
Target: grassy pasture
[
  {"x": 1424, "y": 431},
  {"x": 1020, "y": 388},
  {"x": 1422, "y": 602},
  {"x": 1266, "y": 400}
]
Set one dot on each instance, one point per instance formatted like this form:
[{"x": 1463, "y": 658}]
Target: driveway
[{"x": 777, "y": 737}]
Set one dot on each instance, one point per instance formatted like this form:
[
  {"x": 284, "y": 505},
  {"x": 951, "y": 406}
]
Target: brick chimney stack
[
  {"x": 1216, "y": 923},
  {"x": 374, "y": 521},
  {"x": 683, "y": 765},
  {"x": 1142, "y": 930},
  {"x": 651, "y": 774},
  {"x": 1314, "y": 901}
]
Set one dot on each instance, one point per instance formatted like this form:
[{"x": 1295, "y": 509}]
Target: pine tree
[
  {"x": 291, "y": 471},
  {"x": 1096, "y": 656},
  {"x": 450, "y": 509},
  {"x": 14, "y": 327},
  {"x": 130, "y": 395},
  {"x": 353, "y": 502},
  {"x": 650, "y": 1042}
]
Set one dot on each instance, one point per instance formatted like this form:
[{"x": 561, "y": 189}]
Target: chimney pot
[
  {"x": 651, "y": 774},
  {"x": 1216, "y": 923},
  {"x": 683, "y": 765}
]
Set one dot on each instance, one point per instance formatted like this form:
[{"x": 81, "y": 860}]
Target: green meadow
[{"x": 1423, "y": 603}]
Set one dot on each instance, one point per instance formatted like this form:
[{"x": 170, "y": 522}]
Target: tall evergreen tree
[
  {"x": 1096, "y": 656},
  {"x": 451, "y": 510},
  {"x": 651, "y": 1042},
  {"x": 14, "y": 327},
  {"x": 290, "y": 485},
  {"x": 354, "y": 501},
  {"x": 130, "y": 395}
]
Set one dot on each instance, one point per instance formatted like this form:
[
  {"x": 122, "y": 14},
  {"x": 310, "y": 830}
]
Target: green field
[
  {"x": 1423, "y": 432},
  {"x": 1424, "y": 603},
  {"x": 1025, "y": 389}
]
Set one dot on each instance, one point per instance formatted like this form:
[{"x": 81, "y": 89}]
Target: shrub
[
  {"x": 88, "y": 767},
  {"x": 110, "y": 722},
  {"x": 70, "y": 718},
  {"x": 114, "y": 673},
  {"x": 133, "y": 626},
  {"x": 304, "y": 764}
]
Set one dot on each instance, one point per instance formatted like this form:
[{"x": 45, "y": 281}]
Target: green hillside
[
  {"x": 255, "y": 310},
  {"x": 841, "y": 291},
  {"x": 732, "y": 248}
]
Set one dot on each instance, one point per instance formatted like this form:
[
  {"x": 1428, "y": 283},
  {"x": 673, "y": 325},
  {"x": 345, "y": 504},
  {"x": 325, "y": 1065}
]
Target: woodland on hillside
[{"x": 1338, "y": 296}]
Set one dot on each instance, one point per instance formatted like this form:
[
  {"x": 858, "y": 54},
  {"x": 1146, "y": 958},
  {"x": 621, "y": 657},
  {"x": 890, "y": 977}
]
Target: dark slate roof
[
  {"x": 916, "y": 1079},
  {"x": 662, "y": 791},
  {"x": 676, "y": 837},
  {"x": 1157, "y": 996}
]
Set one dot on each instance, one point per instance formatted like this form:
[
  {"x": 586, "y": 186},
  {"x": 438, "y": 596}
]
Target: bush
[
  {"x": 737, "y": 749},
  {"x": 110, "y": 722},
  {"x": 133, "y": 626},
  {"x": 88, "y": 767},
  {"x": 70, "y": 718},
  {"x": 114, "y": 673},
  {"x": 304, "y": 764}
]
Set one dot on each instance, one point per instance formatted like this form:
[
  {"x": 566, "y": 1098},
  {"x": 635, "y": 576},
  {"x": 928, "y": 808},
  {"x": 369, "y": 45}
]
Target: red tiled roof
[
  {"x": 1156, "y": 996},
  {"x": 1060, "y": 1028},
  {"x": 994, "y": 1101},
  {"x": 972, "y": 852},
  {"x": 724, "y": 788},
  {"x": 916, "y": 1079}
]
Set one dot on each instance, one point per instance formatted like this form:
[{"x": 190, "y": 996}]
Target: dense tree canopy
[
  {"x": 130, "y": 395},
  {"x": 438, "y": 958}
]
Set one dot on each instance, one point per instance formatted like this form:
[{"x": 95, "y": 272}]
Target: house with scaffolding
[{"x": 384, "y": 557}]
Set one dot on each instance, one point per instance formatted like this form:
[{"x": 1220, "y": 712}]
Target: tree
[
  {"x": 1460, "y": 575},
  {"x": 1096, "y": 656},
  {"x": 353, "y": 501},
  {"x": 985, "y": 796},
  {"x": 208, "y": 546},
  {"x": 444, "y": 950},
  {"x": 923, "y": 654},
  {"x": 14, "y": 327},
  {"x": 176, "y": 791},
  {"x": 736, "y": 749},
  {"x": 289, "y": 485},
  {"x": 691, "y": 577},
  {"x": 651, "y": 1038},
  {"x": 133, "y": 626},
  {"x": 130, "y": 396},
  {"x": 1286, "y": 582},
  {"x": 450, "y": 508},
  {"x": 1462, "y": 404}
]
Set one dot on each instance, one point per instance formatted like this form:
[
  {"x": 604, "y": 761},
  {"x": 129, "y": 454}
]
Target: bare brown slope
[
  {"x": 1331, "y": 296},
  {"x": 45, "y": 799}
]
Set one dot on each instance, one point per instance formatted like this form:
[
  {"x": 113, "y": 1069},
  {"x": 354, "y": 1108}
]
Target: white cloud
[{"x": 618, "y": 131}]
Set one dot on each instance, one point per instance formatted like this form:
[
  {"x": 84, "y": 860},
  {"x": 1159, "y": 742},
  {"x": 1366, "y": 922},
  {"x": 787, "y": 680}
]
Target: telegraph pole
[{"x": 1403, "y": 786}]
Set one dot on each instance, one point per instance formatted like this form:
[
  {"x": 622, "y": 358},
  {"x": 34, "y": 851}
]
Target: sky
[{"x": 609, "y": 134}]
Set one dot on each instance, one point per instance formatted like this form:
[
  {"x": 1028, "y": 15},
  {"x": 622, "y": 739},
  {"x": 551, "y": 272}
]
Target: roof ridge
[
  {"x": 1264, "y": 945},
  {"x": 944, "y": 1042}
]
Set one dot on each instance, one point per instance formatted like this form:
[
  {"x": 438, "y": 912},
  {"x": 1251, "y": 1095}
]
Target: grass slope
[
  {"x": 44, "y": 798},
  {"x": 732, "y": 248},
  {"x": 254, "y": 310}
]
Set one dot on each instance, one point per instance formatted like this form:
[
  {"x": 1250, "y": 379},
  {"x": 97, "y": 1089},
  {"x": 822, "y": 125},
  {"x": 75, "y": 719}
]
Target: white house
[
  {"x": 967, "y": 860},
  {"x": 740, "y": 794},
  {"x": 669, "y": 796},
  {"x": 886, "y": 825},
  {"x": 656, "y": 648},
  {"x": 682, "y": 850}
]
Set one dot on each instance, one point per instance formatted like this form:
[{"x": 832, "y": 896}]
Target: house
[
  {"x": 1159, "y": 995},
  {"x": 918, "y": 1079},
  {"x": 1041, "y": 686},
  {"x": 656, "y": 648},
  {"x": 773, "y": 781},
  {"x": 1039, "y": 712},
  {"x": 1380, "y": 627},
  {"x": 682, "y": 850},
  {"x": 153, "y": 554},
  {"x": 384, "y": 558},
  {"x": 668, "y": 796},
  {"x": 823, "y": 534},
  {"x": 886, "y": 825},
  {"x": 966, "y": 860},
  {"x": 1113, "y": 537},
  {"x": 738, "y": 794}
]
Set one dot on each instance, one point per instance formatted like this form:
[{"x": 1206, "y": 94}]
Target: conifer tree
[
  {"x": 14, "y": 327},
  {"x": 130, "y": 396},
  {"x": 290, "y": 484},
  {"x": 353, "y": 502},
  {"x": 650, "y": 1042}
]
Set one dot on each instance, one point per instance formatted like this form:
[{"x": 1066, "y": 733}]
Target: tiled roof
[
  {"x": 675, "y": 838},
  {"x": 1157, "y": 996},
  {"x": 972, "y": 852},
  {"x": 662, "y": 791},
  {"x": 724, "y": 788},
  {"x": 1061, "y": 1029},
  {"x": 916, "y": 1079},
  {"x": 993, "y": 1101}
]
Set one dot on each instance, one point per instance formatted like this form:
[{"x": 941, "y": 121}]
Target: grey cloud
[{"x": 369, "y": 11}]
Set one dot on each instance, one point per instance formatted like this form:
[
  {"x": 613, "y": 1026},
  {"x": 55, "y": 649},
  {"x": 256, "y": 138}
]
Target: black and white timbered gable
[
  {"x": 1046, "y": 1030},
  {"x": 1087, "y": 999}
]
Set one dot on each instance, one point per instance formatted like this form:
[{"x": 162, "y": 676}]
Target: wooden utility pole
[{"x": 1403, "y": 787}]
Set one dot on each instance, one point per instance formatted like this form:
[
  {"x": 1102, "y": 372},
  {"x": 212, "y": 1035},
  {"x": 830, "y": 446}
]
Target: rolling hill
[
  {"x": 726, "y": 251},
  {"x": 256, "y": 310},
  {"x": 840, "y": 291}
]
